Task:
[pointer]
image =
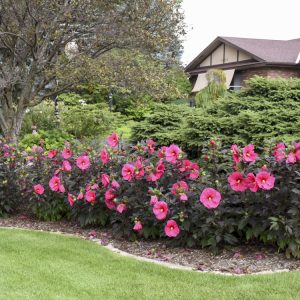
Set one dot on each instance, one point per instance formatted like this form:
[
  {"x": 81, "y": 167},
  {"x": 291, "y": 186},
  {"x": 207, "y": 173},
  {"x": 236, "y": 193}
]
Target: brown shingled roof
[
  {"x": 269, "y": 50},
  {"x": 261, "y": 50}
]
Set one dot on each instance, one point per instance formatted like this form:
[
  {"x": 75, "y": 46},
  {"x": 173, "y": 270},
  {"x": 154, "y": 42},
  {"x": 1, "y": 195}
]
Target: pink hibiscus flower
[
  {"x": 291, "y": 159},
  {"x": 172, "y": 153},
  {"x": 279, "y": 152},
  {"x": 90, "y": 196},
  {"x": 66, "y": 153},
  {"x": 150, "y": 146},
  {"x": 55, "y": 185},
  {"x": 180, "y": 189},
  {"x": 162, "y": 152},
  {"x": 153, "y": 200},
  {"x": 39, "y": 189},
  {"x": 115, "y": 184},
  {"x": 83, "y": 162},
  {"x": 194, "y": 171},
  {"x": 105, "y": 179},
  {"x": 113, "y": 140},
  {"x": 251, "y": 183},
  {"x": 109, "y": 197},
  {"x": 235, "y": 154},
  {"x": 104, "y": 155},
  {"x": 210, "y": 198},
  {"x": 71, "y": 199},
  {"x": 171, "y": 229},
  {"x": 128, "y": 172},
  {"x": 139, "y": 170},
  {"x": 160, "y": 209},
  {"x": 52, "y": 153},
  {"x": 248, "y": 153},
  {"x": 121, "y": 208},
  {"x": 265, "y": 180},
  {"x": 110, "y": 194},
  {"x": 237, "y": 182},
  {"x": 66, "y": 166},
  {"x": 138, "y": 226}
]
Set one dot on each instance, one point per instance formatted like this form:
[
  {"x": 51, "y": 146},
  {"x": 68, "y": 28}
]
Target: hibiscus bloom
[
  {"x": 172, "y": 153},
  {"x": 210, "y": 198},
  {"x": 138, "y": 170},
  {"x": 66, "y": 153},
  {"x": 115, "y": 184},
  {"x": 180, "y": 189},
  {"x": 153, "y": 200},
  {"x": 55, "y": 185},
  {"x": 121, "y": 208},
  {"x": 235, "y": 154},
  {"x": 237, "y": 182},
  {"x": 162, "y": 152},
  {"x": 104, "y": 155},
  {"x": 251, "y": 183},
  {"x": 138, "y": 226},
  {"x": 194, "y": 171},
  {"x": 83, "y": 162},
  {"x": 66, "y": 166},
  {"x": 105, "y": 179},
  {"x": 160, "y": 209},
  {"x": 52, "y": 153},
  {"x": 128, "y": 172},
  {"x": 110, "y": 194},
  {"x": 248, "y": 153},
  {"x": 39, "y": 189},
  {"x": 291, "y": 159},
  {"x": 90, "y": 196},
  {"x": 265, "y": 180},
  {"x": 171, "y": 229},
  {"x": 113, "y": 140},
  {"x": 150, "y": 146},
  {"x": 279, "y": 152},
  {"x": 297, "y": 154},
  {"x": 71, "y": 199},
  {"x": 109, "y": 197}
]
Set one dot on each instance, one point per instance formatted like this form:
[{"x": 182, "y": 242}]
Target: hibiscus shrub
[
  {"x": 10, "y": 184},
  {"x": 227, "y": 198}
]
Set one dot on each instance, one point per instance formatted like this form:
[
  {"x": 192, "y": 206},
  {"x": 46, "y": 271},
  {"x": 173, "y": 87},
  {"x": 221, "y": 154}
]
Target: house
[{"x": 242, "y": 58}]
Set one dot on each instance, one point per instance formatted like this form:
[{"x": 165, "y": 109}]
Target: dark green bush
[
  {"x": 164, "y": 125},
  {"x": 265, "y": 111}
]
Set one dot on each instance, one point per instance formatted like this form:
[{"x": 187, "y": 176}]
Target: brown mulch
[{"x": 244, "y": 259}]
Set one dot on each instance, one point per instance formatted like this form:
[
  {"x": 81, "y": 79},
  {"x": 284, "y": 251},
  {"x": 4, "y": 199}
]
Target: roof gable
[{"x": 259, "y": 50}]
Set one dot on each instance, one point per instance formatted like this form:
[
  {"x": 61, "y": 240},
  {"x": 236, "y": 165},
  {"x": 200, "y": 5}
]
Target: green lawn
[{"x": 39, "y": 265}]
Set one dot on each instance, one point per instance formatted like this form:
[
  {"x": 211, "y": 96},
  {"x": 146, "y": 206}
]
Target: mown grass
[{"x": 40, "y": 265}]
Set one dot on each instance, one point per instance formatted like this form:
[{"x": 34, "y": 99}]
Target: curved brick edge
[{"x": 111, "y": 248}]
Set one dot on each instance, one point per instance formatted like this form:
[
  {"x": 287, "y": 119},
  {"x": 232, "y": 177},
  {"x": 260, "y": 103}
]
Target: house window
[{"x": 236, "y": 82}]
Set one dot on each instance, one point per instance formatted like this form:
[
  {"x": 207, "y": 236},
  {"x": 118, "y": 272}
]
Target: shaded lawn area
[{"x": 40, "y": 265}]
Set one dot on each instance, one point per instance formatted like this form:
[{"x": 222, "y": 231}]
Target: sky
[{"x": 267, "y": 19}]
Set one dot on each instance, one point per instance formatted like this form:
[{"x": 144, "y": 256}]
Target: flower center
[
  {"x": 161, "y": 210},
  {"x": 172, "y": 228},
  {"x": 248, "y": 154},
  {"x": 209, "y": 198},
  {"x": 238, "y": 181},
  {"x": 263, "y": 181}
]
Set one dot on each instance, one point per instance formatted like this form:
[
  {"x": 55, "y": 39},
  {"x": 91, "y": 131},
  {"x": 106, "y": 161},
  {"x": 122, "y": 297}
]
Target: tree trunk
[{"x": 11, "y": 124}]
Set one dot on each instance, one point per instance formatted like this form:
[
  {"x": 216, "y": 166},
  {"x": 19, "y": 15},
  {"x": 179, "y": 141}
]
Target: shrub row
[
  {"x": 265, "y": 111},
  {"x": 229, "y": 197}
]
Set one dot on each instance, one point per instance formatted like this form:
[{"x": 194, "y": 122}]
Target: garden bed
[{"x": 246, "y": 259}]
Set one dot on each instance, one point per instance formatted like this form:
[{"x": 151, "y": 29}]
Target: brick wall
[{"x": 270, "y": 73}]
